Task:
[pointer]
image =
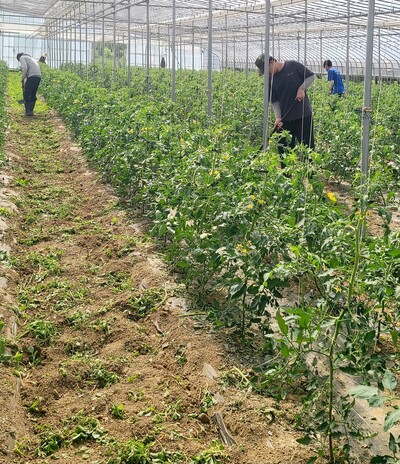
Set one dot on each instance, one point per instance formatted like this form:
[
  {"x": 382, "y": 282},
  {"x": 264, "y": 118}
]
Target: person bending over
[
  {"x": 335, "y": 80},
  {"x": 31, "y": 77},
  {"x": 288, "y": 83}
]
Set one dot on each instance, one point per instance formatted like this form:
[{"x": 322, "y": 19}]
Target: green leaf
[
  {"x": 389, "y": 381},
  {"x": 394, "y": 253},
  {"x": 282, "y": 324},
  {"x": 285, "y": 351},
  {"x": 392, "y": 444},
  {"x": 312, "y": 460},
  {"x": 395, "y": 337},
  {"x": 376, "y": 401},
  {"x": 380, "y": 460},
  {"x": 237, "y": 290},
  {"x": 306, "y": 440},
  {"x": 364, "y": 392},
  {"x": 391, "y": 419}
]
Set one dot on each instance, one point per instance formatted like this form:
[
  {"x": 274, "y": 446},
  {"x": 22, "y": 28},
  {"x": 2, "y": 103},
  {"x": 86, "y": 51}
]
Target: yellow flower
[
  {"x": 332, "y": 197},
  {"x": 226, "y": 157},
  {"x": 241, "y": 248},
  {"x": 252, "y": 197},
  {"x": 250, "y": 206},
  {"x": 260, "y": 201}
]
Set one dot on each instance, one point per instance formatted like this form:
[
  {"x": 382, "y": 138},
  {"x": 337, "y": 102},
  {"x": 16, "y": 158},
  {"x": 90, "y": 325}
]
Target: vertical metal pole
[
  {"x": 305, "y": 32},
  {"x": 94, "y": 36},
  {"x": 321, "y": 59},
  {"x": 80, "y": 39},
  {"x": 273, "y": 31},
  {"x": 366, "y": 111},
  {"x": 114, "y": 73},
  {"x": 226, "y": 42},
  {"x": 279, "y": 47},
  {"x": 247, "y": 44},
  {"x": 266, "y": 74},
  {"x": 193, "y": 47},
  {"x": 348, "y": 47},
  {"x": 173, "y": 45},
  {"x": 75, "y": 44},
  {"x": 180, "y": 52},
  {"x": 210, "y": 61},
  {"x": 148, "y": 50},
  {"x": 379, "y": 53},
  {"x": 102, "y": 44},
  {"x": 86, "y": 43},
  {"x": 159, "y": 47},
  {"x": 169, "y": 48},
  {"x": 135, "y": 49},
  {"x": 129, "y": 44}
]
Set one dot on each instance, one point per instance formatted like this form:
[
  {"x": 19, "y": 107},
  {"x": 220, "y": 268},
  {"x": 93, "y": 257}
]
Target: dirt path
[{"x": 111, "y": 366}]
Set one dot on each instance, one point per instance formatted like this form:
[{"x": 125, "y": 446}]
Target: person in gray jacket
[{"x": 31, "y": 77}]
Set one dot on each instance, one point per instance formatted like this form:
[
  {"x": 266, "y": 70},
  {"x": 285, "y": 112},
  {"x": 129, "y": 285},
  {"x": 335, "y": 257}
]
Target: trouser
[
  {"x": 30, "y": 89},
  {"x": 301, "y": 130}
]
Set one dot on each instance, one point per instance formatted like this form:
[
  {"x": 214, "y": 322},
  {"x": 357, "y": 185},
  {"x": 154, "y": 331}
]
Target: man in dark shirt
[{"x": 288, "y": 82}]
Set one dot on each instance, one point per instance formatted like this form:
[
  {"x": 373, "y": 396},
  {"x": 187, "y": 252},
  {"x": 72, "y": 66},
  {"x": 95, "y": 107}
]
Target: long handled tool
[
  {"x": 21, "y": 102},
  {"x": 276, "y": 127}
]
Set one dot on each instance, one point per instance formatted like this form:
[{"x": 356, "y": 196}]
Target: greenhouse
[{"x": 200, "y": 259}]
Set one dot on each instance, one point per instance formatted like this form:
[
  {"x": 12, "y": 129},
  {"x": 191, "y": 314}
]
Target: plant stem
[{"x": 336, "y": 333}]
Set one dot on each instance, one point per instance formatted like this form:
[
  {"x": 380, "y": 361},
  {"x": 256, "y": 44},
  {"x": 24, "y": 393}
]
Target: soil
[{"x": 126, "y": 356}]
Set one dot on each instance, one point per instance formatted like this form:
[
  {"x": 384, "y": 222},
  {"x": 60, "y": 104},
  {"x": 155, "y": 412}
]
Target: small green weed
[
  {"x": 142, "y": 303},
  {"x": 214, "y": 455},
  {"x": 43, "y": 331},
  {"x": 102, "y": 376},
  {"x": 5, "y": 212},
  {"x": 118, "y": 411},
  {"x": 180, "y": 355},
  {"x": 36, "y": 407}
]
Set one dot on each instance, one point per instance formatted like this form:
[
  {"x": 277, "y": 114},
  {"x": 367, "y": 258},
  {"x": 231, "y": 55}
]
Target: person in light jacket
[{"x": 31, "y": 77}]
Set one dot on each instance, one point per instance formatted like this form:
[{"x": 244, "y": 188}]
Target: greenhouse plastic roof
[{"x": 307, "y": 29}]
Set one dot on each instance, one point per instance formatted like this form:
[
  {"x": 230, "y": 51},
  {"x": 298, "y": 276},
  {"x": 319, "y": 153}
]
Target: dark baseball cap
[{"x": 260, "y": 62}]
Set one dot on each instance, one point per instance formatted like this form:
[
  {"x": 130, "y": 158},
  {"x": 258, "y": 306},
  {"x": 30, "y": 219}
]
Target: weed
[
  {"x": 77, "y": 319},
  {"x": 43, "y": 331},
  {"x": 87, "y": 428},
  {"x": 180, "y": 355},
  {"x": 5, "y": 212},
  {"x": 118, "y": 411},
  {"x": 50, "y": 441},
  {"x": 142, "y": 303},
  {"x": 101, "y": 326},
  {"x": 135, "y": 452},
  {"x": 36, "y": 407},
  {"x": 214, "y": 455},
  {"x": 136, "y": 395},
  {"x": 207, "y": 401},
  {"x": 101, "y": 375}
]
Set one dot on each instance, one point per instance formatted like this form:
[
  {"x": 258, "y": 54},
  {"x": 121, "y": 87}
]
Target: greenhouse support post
[
  {"x": 129, "y": 43},
  {"x": 266, "y": 74},
  {"x": 366, "y": 110},
  {"x": 210, "y": 50},
  {"x": 172, "y": 48}
]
